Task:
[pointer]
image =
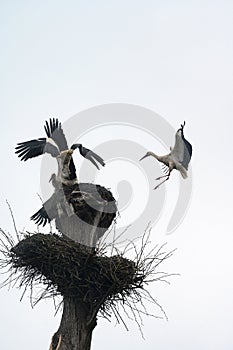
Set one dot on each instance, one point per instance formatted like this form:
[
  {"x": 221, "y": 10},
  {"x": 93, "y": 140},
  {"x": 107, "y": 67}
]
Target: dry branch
[{"x": 99, "y": 281}]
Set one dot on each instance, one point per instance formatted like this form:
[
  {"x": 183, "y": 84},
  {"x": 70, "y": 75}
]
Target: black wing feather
[
  {"x": 187, "y": 153},
  {"x": 54, "y": 131},
  {"x": 87, "y": 153},
  {"x": 188, "y": 146},
  {"x": 48, "y": 211},
  {"x": 188, "y": 150},
  {"x": 97, "y": 157},
  {"x": 41, "y": 217},
  {"x": 182, "y": 149},
  {"x": 30, "y": 149},
  {"x": 34, "y": 148},
  {"x": 92, "y": 160}
]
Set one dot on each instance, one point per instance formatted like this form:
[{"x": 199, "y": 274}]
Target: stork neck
[
  {"x": 163, "y": 159},
  {"x": 159, "y": 158}
]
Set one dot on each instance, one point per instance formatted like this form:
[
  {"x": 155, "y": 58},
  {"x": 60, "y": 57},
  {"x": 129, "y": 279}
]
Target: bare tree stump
[{"x": 75, "y": 331}]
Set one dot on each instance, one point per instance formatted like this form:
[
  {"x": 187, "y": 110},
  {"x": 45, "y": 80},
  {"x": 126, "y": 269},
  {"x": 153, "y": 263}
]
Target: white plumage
[{"x": 178, "y": 158}]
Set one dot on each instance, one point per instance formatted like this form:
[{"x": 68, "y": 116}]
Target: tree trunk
[
  {"x": 89, "y": 211},
  {"x": 77, "y": 324}
]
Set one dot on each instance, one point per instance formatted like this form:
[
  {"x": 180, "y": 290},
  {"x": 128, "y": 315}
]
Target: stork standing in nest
[
  {"x": 66, "y": 179},
  {"x": 178, "y": 158}
]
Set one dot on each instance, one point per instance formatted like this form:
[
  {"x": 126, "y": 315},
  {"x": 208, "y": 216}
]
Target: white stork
[
  {"x": 178, "y": 158},
  {"x": 56, "y": 145}
]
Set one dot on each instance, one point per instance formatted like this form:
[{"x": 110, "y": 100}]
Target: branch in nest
[{"x": 103, "y": 284}]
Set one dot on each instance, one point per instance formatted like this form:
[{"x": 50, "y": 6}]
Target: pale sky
[{"x": 172, "y": 57}]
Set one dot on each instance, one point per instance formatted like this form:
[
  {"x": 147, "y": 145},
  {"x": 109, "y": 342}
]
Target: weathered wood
[
  {"x": 86, "y": 223},
  {"x": 75, "y": 330}
]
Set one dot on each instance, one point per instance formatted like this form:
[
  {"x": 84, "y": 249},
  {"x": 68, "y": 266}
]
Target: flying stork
[
  {"x": 56, "y": 145},
  {"x": 178, "y": 158}
]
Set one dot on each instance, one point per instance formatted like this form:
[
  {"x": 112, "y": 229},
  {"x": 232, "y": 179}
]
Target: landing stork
[{"x": 178, "y": 158}]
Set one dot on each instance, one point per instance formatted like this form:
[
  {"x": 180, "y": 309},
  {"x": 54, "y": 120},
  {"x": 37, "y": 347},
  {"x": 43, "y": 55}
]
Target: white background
[{"x": 174, "y": 57}]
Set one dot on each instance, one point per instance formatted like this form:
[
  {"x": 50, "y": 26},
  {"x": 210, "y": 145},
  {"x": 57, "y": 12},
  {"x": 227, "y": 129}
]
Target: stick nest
[
  {"x": 104, "y": 282},
  {"x": 72, "y": 269}
]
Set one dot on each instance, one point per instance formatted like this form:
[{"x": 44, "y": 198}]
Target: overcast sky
[{"x": 172, "y": 57}]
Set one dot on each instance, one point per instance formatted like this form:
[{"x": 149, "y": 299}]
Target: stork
[
  {"x": 56, "y": 145},
  {"x": 178, "y": 158},
  {"x": 65, "y": 182}
]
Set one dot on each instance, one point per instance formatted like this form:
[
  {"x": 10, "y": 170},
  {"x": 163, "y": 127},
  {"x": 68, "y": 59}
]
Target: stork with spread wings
[
  {"x": 178, "y": 158},
  {"x": 56, "y": 145}
]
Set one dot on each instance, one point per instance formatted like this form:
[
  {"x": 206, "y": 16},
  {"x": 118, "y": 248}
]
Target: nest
[
  {"x": 72, "y": 270},
  {"x": 105, "y": 282}
]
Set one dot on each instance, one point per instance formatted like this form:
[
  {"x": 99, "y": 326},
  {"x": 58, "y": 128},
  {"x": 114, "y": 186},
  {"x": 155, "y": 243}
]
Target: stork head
[{"x": 146, "y": 155}]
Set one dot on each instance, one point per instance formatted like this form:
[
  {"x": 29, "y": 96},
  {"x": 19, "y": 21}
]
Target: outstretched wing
[
  {"x": 90, "y": 155},
  {"x": 34, "y": 148},
  {"x": 182, "y": 150},
  {"x": 37, "y": 147},
  {"x": 97, "y": 157},
  {"x": 41, "y": 217},
  {"x": 92, "y": 160},
  {"x": 54, "y": 144},
  {"x": 54, "y": 131},
  {"x": 187, "y": 153},
  {"x": 48, "y": 211}
]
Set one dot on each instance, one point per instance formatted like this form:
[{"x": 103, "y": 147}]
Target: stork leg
[
  {"x": 168, "y": 176},
  {"x": 161, "y": 177}
]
